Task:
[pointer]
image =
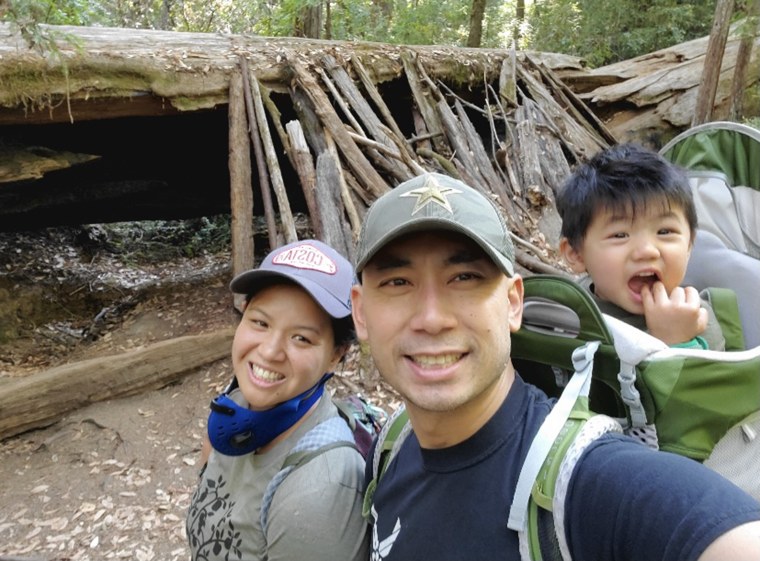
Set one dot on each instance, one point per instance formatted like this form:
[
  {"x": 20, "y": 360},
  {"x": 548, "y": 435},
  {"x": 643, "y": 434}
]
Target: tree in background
[{"x": 477, "y": 12}]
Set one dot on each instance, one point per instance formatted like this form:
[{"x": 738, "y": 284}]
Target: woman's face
[{"x": 282, "y": 347}]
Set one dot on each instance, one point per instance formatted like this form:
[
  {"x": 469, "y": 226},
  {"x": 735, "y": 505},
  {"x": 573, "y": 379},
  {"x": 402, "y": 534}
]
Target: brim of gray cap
[
  {"x": 251, "y": 281},
  {"x": 425, "y": 223}
]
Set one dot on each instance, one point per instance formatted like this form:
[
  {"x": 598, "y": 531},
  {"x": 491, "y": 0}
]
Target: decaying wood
[
  {"x": 508, "y": 79},
  {"x": 303, "y": 163},
  {"x": 652, "y": 97},
  {"x": 258, "y": 151},
  {"x": 377, "y": 99},
  {"x": 364, "y": 112},
  {"x": 424, "y": 104},
  {"x": 273, "y": 165},
  {"x": 33, "y": 162},
  {"x": 329, "y": 202},
  {"x": 40, "y": 400},
  {"x": 748, "y": 32},
  {"x": 332, "y": 123},
  {"x": 241, "y": 197},
  {"x": 183, "y": 71}
]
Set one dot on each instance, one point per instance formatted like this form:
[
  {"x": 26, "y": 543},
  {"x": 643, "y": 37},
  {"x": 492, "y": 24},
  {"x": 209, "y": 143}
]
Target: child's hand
[{"x": 675, "y": 318}]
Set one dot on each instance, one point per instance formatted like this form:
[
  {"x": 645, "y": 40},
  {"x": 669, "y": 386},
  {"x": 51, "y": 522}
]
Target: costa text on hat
[
  {"x": 433, "y": 201},
  {"x": 320, "y": 270}
]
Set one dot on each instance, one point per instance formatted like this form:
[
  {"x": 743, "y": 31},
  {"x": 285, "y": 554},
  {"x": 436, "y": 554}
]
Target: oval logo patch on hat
[{"x": 306, "y": 256}]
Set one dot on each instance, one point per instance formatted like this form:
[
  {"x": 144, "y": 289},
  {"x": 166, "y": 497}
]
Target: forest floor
[{"x": 113, "y": 480}]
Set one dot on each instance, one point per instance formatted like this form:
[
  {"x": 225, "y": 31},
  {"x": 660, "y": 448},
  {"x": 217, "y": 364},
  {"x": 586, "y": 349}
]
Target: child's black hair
[{"x": 627, "y": 178}]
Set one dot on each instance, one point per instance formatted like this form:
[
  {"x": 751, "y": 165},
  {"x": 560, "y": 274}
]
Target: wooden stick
[
  {"x": 258, "y": 152},
  {"x": 330, "y": 120},
  {"x": 307, "y": 174},
  {"x": 377, "y": 99},
  {"x": 241, "y": 195},
  {"x": 424, "y": 103},
  {"x": 286, "y": 216}
]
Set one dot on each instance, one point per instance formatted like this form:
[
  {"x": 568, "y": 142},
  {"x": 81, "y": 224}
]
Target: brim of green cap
[{"x": 428, "y": 223}]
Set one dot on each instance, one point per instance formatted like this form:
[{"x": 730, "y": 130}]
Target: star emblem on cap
[{"x": 431, "y": 192}]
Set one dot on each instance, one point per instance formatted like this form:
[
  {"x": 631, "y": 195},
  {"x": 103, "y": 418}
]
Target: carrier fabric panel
[
  {"x": 730, "y": 148},
  {"x": 698, "y": 399},
  {"x": 530, "y": 348}
]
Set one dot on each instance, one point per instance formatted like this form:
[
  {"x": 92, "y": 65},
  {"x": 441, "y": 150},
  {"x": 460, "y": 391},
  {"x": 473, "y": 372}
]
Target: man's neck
[{"x": 442, "y": 429}]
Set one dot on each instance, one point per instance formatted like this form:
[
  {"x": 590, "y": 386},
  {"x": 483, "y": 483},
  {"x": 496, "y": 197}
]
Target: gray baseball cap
[
  {"x": 320, "y": 270},
  {"x": 433, "y": 201}
]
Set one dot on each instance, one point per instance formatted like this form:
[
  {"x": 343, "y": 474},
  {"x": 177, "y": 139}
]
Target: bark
[
  {"x": 304, "y": 166},
  {"x": 748, "y": 35},
  {"x": 40, "y": 400},
  {"x": 713, "y": 62},
  {"x": 308, "y": 22},
  {"x": 112, "y": 72},
  {"x": 651, "y": 98},
  {"x": 477, "y": 12},
  {"x": 329, "y": 200},
  {"x": 273, "y": 165},
  {"x": 258, "y": 150},
  {"x": 241, "y": 196}
]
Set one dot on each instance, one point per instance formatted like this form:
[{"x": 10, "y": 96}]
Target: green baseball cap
[{"x": 433, "y": 201}]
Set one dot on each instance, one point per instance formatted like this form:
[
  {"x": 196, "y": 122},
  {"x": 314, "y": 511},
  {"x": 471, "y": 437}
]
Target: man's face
[{"x": 437, "y": 314}]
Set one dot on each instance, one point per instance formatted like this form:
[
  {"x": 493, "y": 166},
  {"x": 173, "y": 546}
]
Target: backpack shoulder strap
[
  {"x": 329, "y": 434},
  {"x": 533, "y": 502},
  {"x": 583, "y": 429},
  {"x": 389, "y": 440},
  {"x": 726, "y": 308}
]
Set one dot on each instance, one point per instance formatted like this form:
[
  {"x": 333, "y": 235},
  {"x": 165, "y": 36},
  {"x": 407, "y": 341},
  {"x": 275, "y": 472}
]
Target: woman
[{"x": 295, "y": 329}]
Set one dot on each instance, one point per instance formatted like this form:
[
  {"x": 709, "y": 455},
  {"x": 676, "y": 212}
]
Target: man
[{"x": 437, "y": 300}]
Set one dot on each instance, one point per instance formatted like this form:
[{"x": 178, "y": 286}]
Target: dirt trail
[{"x": 113, "y": 480}]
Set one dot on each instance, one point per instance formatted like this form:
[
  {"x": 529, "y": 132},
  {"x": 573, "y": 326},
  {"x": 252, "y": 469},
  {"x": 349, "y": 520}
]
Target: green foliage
[
  {"x": 30, "y": 13},
  {"x": 614, "y": 30}
]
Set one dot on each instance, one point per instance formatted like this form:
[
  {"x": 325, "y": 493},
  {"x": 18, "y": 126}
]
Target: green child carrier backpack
[{"x": 609, "y": 376}]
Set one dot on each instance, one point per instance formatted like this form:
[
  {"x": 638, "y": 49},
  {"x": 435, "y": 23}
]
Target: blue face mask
[{"x": 235, "y": 430}]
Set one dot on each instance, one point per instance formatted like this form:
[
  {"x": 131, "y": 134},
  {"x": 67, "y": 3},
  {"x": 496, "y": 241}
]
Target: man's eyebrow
[
  {"x": 386, "y": 261},
  {"x": 467, "y": 255}
]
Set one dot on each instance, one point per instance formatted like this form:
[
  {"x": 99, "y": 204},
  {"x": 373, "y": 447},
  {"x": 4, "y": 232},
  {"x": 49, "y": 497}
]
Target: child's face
[{"x": 624, "y": 251}]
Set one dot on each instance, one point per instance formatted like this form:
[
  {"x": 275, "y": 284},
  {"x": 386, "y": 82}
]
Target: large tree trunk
[
  {"x": 748, "y": 35},
  {"x": 713, "y": 61},
  {"x": 309, "y": 22},
  {"x": 477, "y": 12}
]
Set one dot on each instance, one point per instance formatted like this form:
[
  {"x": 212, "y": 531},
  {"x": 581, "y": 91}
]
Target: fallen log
[{"x": 42, "y": 399}]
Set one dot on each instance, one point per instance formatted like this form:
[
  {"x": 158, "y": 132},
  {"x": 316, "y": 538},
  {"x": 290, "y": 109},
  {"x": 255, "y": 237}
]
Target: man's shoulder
[{"x": 615, "y": 461}]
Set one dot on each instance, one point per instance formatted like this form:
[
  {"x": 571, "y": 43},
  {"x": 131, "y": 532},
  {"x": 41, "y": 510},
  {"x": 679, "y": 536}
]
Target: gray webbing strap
[{"x": 579, "y": 385}]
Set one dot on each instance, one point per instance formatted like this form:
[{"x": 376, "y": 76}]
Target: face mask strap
[{"x": 235, "y": 430}]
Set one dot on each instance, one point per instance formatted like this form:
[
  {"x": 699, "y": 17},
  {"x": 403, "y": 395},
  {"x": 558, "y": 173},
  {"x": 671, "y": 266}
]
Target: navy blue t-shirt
[{"x": 625, "y": 501}]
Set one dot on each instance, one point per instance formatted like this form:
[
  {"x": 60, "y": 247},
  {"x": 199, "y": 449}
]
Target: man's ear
[
  {"x": 516, "y": 295},
  {"x": 573, "y": 258},
  {"x": 357, "y": 312}
]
